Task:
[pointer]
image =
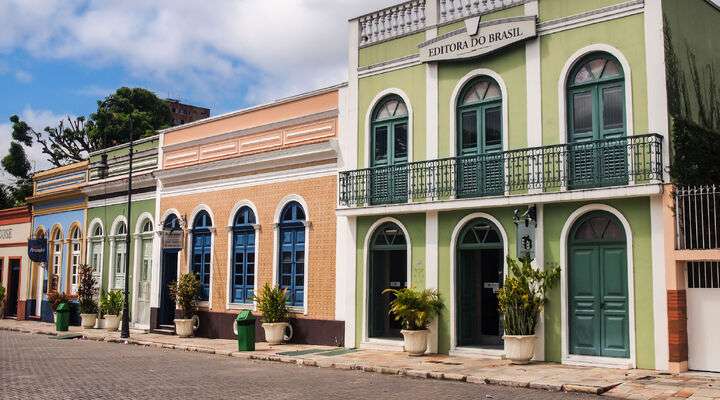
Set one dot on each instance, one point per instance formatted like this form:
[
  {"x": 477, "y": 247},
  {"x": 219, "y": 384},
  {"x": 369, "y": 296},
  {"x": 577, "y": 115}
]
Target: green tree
[
  {"x": 65, "y": 143},
  {"x": 111, "y": 121}
]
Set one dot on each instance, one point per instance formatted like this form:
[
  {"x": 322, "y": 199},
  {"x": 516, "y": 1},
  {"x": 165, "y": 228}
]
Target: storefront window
[
  {"x": 292, "y": 253},
  {"x": 75, "y": 245},
  {"x": 201, "y": 249},
  {"x": 119, "y": 265},
  {"x": 56, "y": 259}
]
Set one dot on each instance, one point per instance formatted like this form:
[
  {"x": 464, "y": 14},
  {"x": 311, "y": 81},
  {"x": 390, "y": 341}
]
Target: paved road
[{"x": 37, "y": 367}]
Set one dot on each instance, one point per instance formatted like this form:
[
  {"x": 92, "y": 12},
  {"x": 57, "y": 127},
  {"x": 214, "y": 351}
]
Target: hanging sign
[
  {"x": 478, "y": 38},
  {"x": 172, "y": 240},
  {"x": 526, "y": 224},
  {"x": 37, "y": 250}
]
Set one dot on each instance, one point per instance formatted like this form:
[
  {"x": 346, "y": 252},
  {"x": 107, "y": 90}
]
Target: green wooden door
[
  {"x": 597, "y": 135},
  {"x": 598, "y": 288},
  {"x": 389, "y": 146},
  {"x": 481, "y": 167}
]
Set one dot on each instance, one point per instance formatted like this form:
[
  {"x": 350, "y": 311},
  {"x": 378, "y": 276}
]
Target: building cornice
[{"x": 75, "y": 167}]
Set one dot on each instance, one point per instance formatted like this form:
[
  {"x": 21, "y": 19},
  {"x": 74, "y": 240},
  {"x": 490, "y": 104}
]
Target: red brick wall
[
  {"x": 21, "y": 310},
  {"x": 677, "y": 325}
]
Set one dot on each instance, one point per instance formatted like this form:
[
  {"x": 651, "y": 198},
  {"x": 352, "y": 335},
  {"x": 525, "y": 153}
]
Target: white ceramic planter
[
  {"x": 184, "y": 327},
  {"x": 112, "y": 322},
  {"x": 415, "y": 342},
  {"x": 100, "y": 323},
  {"x": 88, "y": 320},
  {"x": 275, "y": 332},
  {"x": 519, "y": 349}
]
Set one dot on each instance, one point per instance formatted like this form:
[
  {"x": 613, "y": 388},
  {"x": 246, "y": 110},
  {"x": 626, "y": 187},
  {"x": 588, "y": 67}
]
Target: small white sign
[{"x": 478, "y": 38}]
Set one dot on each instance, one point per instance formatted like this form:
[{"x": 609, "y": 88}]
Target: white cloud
[
  {"x": 23, "y": 76},
  {"x": 38, "y": 119},
  {"x": 276, "y": 47}
]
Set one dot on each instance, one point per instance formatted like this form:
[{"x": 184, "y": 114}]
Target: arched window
[
  {"x": 390, "y": 132},
  {"x": 201, "y": 250},
  {"x": 292, "y": 253},
  {"x": 119, "y": 265},
  {"x": 480, "y": 138},
  {"x": 172, "y": 223},
  {"x": 146, "y": 253},
  {"x": 95, "y": 250},
  {"x": 596, "y": 111},
  {"x": 75, "y": 248},
  {"x": 243, "y": 256},
  {"x": 56, "y": 258},
  {"x": 596, "y": 93}
]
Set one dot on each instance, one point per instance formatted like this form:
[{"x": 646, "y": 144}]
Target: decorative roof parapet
[{"x": 410, "y": 17}]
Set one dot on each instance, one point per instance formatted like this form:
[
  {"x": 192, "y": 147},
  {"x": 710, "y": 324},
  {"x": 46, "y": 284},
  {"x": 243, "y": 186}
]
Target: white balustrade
[{"x": 409, "y": 17}]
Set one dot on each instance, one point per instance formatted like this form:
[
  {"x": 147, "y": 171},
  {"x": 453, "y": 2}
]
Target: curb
[{"x": 305, "y": 362}]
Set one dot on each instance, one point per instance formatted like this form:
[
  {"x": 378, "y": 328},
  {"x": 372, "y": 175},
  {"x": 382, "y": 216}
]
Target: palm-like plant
[{"x": 415, "y": 309}]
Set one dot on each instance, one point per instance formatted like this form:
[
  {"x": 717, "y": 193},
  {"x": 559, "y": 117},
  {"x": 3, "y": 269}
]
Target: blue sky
[{"x": 58, "y": 57}]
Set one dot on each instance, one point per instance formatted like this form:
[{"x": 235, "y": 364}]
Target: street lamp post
[{"x": 125, "y": 333}]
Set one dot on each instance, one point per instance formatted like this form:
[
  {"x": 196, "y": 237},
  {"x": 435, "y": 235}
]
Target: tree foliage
[
  {"x": 72, "y": 138},
  {"x": 111, "y": 123}
]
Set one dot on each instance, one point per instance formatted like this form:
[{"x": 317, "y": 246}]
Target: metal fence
[
  {"x": 697, "y": 217},
  {"x": 591, "y": 164}
]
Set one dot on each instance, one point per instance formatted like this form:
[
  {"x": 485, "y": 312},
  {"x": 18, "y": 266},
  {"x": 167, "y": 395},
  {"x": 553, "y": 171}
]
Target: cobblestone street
[{"x": 36, "y": 367}]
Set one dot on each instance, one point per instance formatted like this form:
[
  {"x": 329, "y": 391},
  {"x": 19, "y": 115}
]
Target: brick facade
[
  {"x": 320, "y": 196},
  {"x": 677, "y": 325}
]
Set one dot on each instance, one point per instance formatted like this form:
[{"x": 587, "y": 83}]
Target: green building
[
  {"x": 108, "y": 227},
  {"x": 462, "y": 113}
]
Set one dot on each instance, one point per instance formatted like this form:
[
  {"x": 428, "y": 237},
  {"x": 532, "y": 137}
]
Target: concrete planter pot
[
  {"x": 185, "y": 328},
  {"x": 88, "y": 321},
  {"x": 112, "y": 322},
  {"x": 415, "y": 342},
  {"x": 519, "y": 349},
  {"x": 275, "y": 332}
]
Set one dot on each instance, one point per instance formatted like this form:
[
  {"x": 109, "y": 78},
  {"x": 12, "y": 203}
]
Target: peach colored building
[{"x": 251, "y": 198}]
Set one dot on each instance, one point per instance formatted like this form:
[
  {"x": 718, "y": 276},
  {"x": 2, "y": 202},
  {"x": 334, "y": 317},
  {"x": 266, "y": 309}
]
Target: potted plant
[
  {"x": 56, "y": 298},
  {"x": 415, "y": 309},
  {"x": 111, "y": 304},
  {"x": 2, "y": 302},
  {"x": 272, "y": 305},
  {"x": 520, "y": 300},
  {"x": 186, "y": 293},
  {"x": 87, "y": 291}
]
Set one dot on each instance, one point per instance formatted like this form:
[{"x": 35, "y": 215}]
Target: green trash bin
[
  {"x": 63, "y": 317},
  {"x": 245, "y": 325}
]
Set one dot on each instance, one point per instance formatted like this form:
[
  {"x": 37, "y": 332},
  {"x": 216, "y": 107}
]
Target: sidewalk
[{"x": 624, "y": 384}]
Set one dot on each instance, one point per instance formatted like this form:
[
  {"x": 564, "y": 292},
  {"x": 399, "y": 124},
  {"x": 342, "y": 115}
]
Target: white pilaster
[
  {"x": 346, "y": 285},
  {"x": 431, "y": 85},
  {"x": 534, "y": 89},
  {"x": 431, "y": 269},
  {"x": 540, "y": 263},
  {"x": 658, "y": 122}
]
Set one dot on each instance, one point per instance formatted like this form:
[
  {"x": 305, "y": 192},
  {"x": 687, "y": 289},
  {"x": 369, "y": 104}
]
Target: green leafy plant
[
  {"x": 415, "y": 309},
  {"x": 272, "y": 304},
  {"x": 57, "y": 298},
  {"x": 111, "y": 303},
  {"x": 2, "y": 294},
  {"x": 523, "y": 296},
  {"x": 186, "y": 293},
  {"x": 87, "y": 290}
]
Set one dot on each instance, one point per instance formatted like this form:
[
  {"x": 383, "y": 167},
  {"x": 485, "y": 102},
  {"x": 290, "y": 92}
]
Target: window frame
[
  {"x": 205, "y": 233},
  {"x": 293, "y": 226},
  {"x": 247, "y": 227},
  {"x": 391, "y": 125}
]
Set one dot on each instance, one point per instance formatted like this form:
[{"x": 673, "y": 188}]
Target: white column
[
  {"x": 431, "y": 86},
  {"x": 431, "y": 269},
  {"x": 534, "y": 97},
  {"x": 346, "y": 285},
  {"x": 658, "y": 122},
  {"x": 349, "y": 133}
]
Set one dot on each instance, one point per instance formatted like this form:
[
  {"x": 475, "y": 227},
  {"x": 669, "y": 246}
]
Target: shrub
[
  {"x": 87, "y": 290},
  {"x": 186, "y": 293},
  {"x": 272, "y": 304},
  {"x": 524, "y": 295},
  {"x": 415, "y": 309},
  {"x": 111, "y": 303},
  {"x": 57, "y": 298},
  {"x": 2, "y": 294}
]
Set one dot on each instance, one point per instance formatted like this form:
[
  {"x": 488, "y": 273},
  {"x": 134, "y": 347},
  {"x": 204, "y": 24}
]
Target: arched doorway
[
  {"x": 598, "y": 287},
  {"x": 388, "y": 269},
  {"x": 169, "y": 270},
  {"x": 479, "y": 276},
  {"x": 389, "y": 156}
]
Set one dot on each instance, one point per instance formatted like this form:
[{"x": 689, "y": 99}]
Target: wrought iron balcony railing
[{"x": 592, "y": 164}]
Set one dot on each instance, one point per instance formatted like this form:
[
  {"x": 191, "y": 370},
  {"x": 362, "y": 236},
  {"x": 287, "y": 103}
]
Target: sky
[{"x": 58, "y": 57}]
